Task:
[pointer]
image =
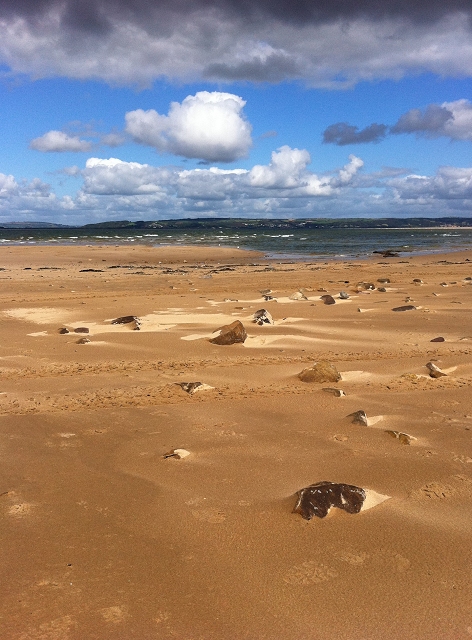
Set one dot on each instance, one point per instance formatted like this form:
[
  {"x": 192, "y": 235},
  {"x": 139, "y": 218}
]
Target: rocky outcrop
[
  {"x": 230, "y": 334},
  {"x": 128, "y": 320}
]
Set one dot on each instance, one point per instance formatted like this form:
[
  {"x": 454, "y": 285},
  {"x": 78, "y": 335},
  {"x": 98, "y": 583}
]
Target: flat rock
[
  {"x": 230, "y": 334},
  {"x": 335, "y": 392},
  {"x": 405, "y": 307},
  {"x": 321, "y": 371},
  {"x": 319, "y": 498},
  {"x": 128, "y": 320},
  {"x": 404, "y": 438},
  {"x": 81, "y": 330},
  {"x": 434, "y": 371},
  {"x": 388, "y": 253},
  {"x": 327, "y": 299},
  {"x": 178, "y": 454},
  {"x": 384, "y": 280},
  {"x": 359, "y": 417},
  {"x": 438, "y": 339},
  {"x": 193, "y": 387},
  {"x": 262, "y": 316},
  {"x": 63, "y": 331}
]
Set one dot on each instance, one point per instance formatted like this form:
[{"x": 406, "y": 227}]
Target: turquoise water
[{"x": 275, "y": 243}]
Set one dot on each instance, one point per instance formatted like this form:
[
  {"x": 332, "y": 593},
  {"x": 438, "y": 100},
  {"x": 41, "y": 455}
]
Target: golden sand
[{"x": 107, "y": 536}]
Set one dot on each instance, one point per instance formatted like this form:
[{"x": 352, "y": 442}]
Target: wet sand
[{"x": 103, "y": 537}]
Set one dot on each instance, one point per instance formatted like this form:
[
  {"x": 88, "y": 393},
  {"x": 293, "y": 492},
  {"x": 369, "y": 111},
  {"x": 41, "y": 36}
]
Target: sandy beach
[{"x": 106, "y": 535}]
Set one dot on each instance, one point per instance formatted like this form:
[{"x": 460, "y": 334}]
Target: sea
[{"x": 292, "y": 244}]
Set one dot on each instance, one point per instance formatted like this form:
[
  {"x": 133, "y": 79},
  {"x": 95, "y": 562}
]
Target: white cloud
[
  {"x": 207, "y": 125},
  {"x": 459, "y": 127},
  {"x": 60, "y": 142},
  {"x": 285, "y": 187}
]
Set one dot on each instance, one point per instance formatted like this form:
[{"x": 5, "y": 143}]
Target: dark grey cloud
[
  {"x": 326, "y": 44},
  {"x": 431, "y": 120},
  {"x": 343, "y": 133},
  {"x": 85, "y": 12},
  {"x": 452, "y": 120}
]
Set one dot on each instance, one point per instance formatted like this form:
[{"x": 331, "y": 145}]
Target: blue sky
[{"x": 160, "y": 110}]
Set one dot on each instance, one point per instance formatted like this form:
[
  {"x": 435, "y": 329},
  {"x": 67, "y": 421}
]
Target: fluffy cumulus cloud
[
  {"x": 449, "y": 119},
  {"x": 208, "y": 125},
  {"x": 285, "y": 187},
  {"x": 59, "y": 141},
  {"x": 323, "y": 43}
]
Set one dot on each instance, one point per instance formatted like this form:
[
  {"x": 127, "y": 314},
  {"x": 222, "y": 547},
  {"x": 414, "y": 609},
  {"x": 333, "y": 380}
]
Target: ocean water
[{"x": 276, "y": 243}]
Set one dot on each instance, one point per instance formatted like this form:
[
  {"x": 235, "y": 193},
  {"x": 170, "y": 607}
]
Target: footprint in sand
[
  {"x": 354, "y": 558},
  {"x": 115, "y": 614},
  {"x": 20, "y": 510},
  {"x": 215, "y": 516},
  {"x": 309, "y": 572}
]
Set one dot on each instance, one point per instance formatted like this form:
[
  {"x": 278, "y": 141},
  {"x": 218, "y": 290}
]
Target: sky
[{"x": 160, "y": 109}]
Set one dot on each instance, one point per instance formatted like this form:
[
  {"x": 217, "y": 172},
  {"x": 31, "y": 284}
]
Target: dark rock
[
  {"x": 417, "y": 280},
  {"x": 438, "y": 339},
  {"x": 128, "y": 320},
  {"x": 83, "y": 341},
  {"x": 321, "y": 371},
  {"x": 63, "y": 331},
  {"x": 267, "y": 297},
  {"x": 230, "y": 334},
  {"x": 343, "y": 295},
  {"x": 327, "y": 299},
  {"x": 384, "y": 280},
  {"x": 406, "y": 307},
  {"x": 81, "y": 330},
  {"x": 367, "y": 286},
  {"x": 262, "y": 316},
  {"x": 388, "y": 254},
  {"x": 382, "y": 289},
  {"x": 318, "y": 499},
  {"x": 91, "y": 270},
  {"x": 434, "y": 371},
  {"x": 359, "y": 417}
]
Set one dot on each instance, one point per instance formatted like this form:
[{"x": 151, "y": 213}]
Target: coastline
[{"x": 103, "y": 536}]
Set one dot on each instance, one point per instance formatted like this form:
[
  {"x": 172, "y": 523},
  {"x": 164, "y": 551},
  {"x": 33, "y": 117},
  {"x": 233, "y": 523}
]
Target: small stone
[
  {"x": 359, "y": 417},
  {"x": 434, "y": 371},
  {"x": 63, "y": 331},
  {"x": 230, "y": 334},
  {"x": 367, "y": 286},
  {"x": 298, "y": 295},
  {"x": 406, "y": 307},
  {"x": 327, "y": 299},
  {"x": 178, "y": 454},
  {"x": 262, "y": 316},
  {"x": 319, "y": 498},
  {"x": 83, "y": 341},
  {"x": 417, "y": 280},
  {"x": 81, "y": 330},
  {"x": 404, "y": 438},
  {"x": 343, "y": 295},
  {"x": 382, "y": 289},
  {"x": 267, "y": 297},
  {"x": 321, "y": 371},
  {"x": 193, "y": 387},
  {"x": 438, "y": 339},
  {"x": 384, "y": 280},
  {"x": 335, "y": 392}
]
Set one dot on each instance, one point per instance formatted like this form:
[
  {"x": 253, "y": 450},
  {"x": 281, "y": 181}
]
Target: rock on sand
[{"x": 321, "y": 371}]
